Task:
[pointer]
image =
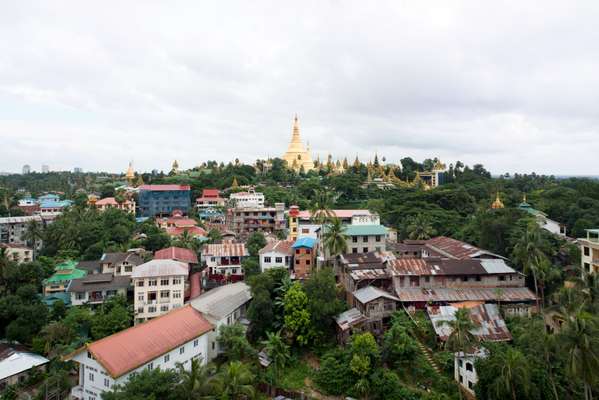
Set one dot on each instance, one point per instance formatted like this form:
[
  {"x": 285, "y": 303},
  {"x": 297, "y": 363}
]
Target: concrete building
[
  {"x": 304, "y": 257},
  {"x": 277, "y": 254},
  {"x": 51, "y": 204},
  {"x": 26, "y": 169},
  {"x": 249, "y": 199},
  {"x": 121, "y": 263},
  {"x": 13, "y": 230},
  {"x": 17, "y": 252},
  {"x": 162, "y": 200},
  {"x": 464, "y": 370},
  {"x": 110, "y": 202},
  {"x": 244, "y": 221},
  {"x": 175, "y": 338},
  {"x": 159, "y": 287},
  {"x": 64, "y": 273},
  {"x": 543, "y": 220},
  {"x": 589, "y": 251},
  {"x": 224, "y": 258},
  {"x": 17, "y": 363},
  {"x": 97, "y": 288},
  {"x": 224, "y": 305},
  {"x": 209, "y": 200},
  {"x": 45, "y": 168}
]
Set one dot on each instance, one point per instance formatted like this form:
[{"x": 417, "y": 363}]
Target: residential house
[
  {"x": 51, "y": 204},
  {"x": 110, "y": 202},
  {"x": 304, "y": 257},
  {"x": 178, "y": 254},
  {"x": 159, "y": 200},
  {"x": 64, "y": 273},
  {"x": 17, "y": 252},
  {"x": 159, "y": 287},
  {"x": 224, "y": 259},
  {"x": 349, "y": 322},
  {"x": 440, "y": 246},
  {"x": 173, "y": 339},
  {"x": 276, "y": 254},
  {"x": 97, "y": 288},
  {"x": 376, "y": 306},
  {"x": 223, "y": 305},
  {"x": 359, "y": 270},
  {"x": 121, "y": 263},
  {"x": 210, "y": 200},
  {"x": 247, "y": 220},
  {"x": 464, "y": 368},
  {"x": 17, "y": 364},
  {"x": 29, "y": 206},
  {"x": 306, "y": 226},
  {"x": 589, "y": 251}
]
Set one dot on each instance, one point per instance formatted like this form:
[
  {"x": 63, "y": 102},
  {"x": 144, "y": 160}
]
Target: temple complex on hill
[{"x": 297, "y": 156}]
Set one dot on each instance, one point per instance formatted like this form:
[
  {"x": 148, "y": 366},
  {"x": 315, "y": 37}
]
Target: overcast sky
[{"x": 96, "y": 84}]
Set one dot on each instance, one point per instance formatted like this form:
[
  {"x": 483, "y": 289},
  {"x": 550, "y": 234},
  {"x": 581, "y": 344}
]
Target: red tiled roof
[
  {"x": 193, "y": 230},
  {"x": 212, "y": 193},
  {"x": 178, "y": 254},
  {"x": 163, "y": 188},
  {"x": 108, "y": 201},
  {"x": 279, "y": 246},
  {"x": 129, "y": 349}
]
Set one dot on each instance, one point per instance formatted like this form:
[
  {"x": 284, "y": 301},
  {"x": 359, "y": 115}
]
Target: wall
[
  {"x": 162, "y": 304},
  {"x": 371, "y": 243},
  {"x": 284, "y": 263}
]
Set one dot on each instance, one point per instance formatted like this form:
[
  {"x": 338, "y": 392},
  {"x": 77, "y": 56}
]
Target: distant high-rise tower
[
  {"x": 26, "y": 169},
  {"x": 45, "y": 169},
  {"x": 78, "y": 170},
  {"x": 297, "y": 156}
]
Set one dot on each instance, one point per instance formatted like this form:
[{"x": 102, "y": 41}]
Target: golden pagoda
[
  {"x": 175, "y": 168},
  {"x": 297, "y": 156},
  {"x": 497, "y": 204},
  {"x": 130, "y": 175}
]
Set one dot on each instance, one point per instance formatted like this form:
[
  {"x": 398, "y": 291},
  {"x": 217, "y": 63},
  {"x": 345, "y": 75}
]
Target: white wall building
[
  {"x": 464, "y": 371},
  {"x": 13, "y": 229},
  {"x": 177, "y": 337},
  {"x": 249, "y": 199},
  {"x": 224, "y": 305},
  {"x": 224, "y": 258},
  {"x": 159, "y": 286},
  {"x": 17, "y": 252},
  {"x": 276, "y": 255}
]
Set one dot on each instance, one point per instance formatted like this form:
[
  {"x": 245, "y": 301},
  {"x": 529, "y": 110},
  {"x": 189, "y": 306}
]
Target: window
[
  {"x": 151, "y": 366},
  {"x": 354, "y": 239},
  {"x": 152, "y": 282},
  {"x": 140, "y": 283},
  {"x": 140, "y": 310},
  {"x": 151, "y": 309},
  {"x": 354, "y": 250},
  {"x": 128, "y": 268},
  {"x": 164, "y": 294},
  {"x": 196, "y": 342},
  {"x": 461, "y": 379},
  {"x": 297, "y": 262},
  {"x": 164, "y": 308},
  {"x": 140, "y": 297},
  {"x": 297, "y": 251},
  {"x": 364, "y": 249},
  {"x": 460, "y": 363},
  {"x": 478, "y": 278},
  {"x": 91, "y": 376},
  {"x": 266, "y": 259},
  {"x": 464, "y": 279},
  {"x": 234, "y": 271},
  {"x": 106, "y": 382},
  {"x": 176, "y": 281},
  {"x": 279, "y": 260},
  {"x": 176, "y": 294},
  {"x": 587, "y": 251},
  {"x": 307, "y": 262},
  {"x": 167, "y": 358},
  {"x": 469, "y": 366},
  {"x": 80, "y": 296},
  {"x": 365, "y": 239},
  {"x": 89, "y": 355},
  {"x": 427, "y": 279},
  {"x": 501, "y": 278},
  {"x": 181, "y": 349},
  {"x": 164, "y": 282},
  {"x": 213, "y": 345},
  {"x": 587, "y": 267},
  {"x": 470, "y": 385},
  {"x": 305, "y": 230},
  {"x": 377, "y": 238}
]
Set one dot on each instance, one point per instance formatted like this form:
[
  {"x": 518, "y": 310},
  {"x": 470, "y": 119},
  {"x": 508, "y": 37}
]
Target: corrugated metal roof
[
  {"x": 157, "y": 268},
  {"x": 278, "y": 246},
  {"x": 20, "y": 220},
  {"x": 306, "y": 214},
  {"x": 369, "y": 293},
  {"x": 360, "y": 274},
  {"x": 223, "y": 300},
  {"x": 457, "y": 249},
  {"x": 365, "y": 230},
  {"x": 129, "y": 349},
  {"x": 464, "y": 294},
  {"x": 349, "y": 318},
  {"x": 496, "y": 266},
  {"x": 431, "y": 266},
  {"x": 487, "y": 319},
  {"x": 14, "y": 360},
  {"x": 304, "y": 242},
  {"x": 225, "y": 249}
]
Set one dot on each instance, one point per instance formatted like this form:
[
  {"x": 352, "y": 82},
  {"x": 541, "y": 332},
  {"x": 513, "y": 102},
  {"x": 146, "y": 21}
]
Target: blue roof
[
  {"x": 55, "y": 203},
  {"x": 304, "y": 242},
  {"x": 365, "y": 230}
]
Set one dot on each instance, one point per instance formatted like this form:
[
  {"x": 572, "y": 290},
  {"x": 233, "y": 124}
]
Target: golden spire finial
[{"x": 497, "y": 203}]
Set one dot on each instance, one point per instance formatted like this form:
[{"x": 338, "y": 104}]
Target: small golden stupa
[{"x": 497, "y": 204}]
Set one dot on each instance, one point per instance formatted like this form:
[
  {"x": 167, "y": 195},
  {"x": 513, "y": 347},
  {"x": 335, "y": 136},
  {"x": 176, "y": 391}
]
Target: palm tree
[
  {"x": 198, "y": 382},
  {"x": 461, "y": 337},
  {"x": 529, "y": 254},
  {"x": 278, "y": 352},
  {"x": 236, "y": 381},
  {"x": 514, "y": 373},
  {"x": 321, "y": 207},
  {"x": 33, "y": 234},
  {"x": 188, "y": 241},
  {"x": 335, "y": 238},
  {"x": 579, "y": 339},
  {"x": 420, "y": 228}
]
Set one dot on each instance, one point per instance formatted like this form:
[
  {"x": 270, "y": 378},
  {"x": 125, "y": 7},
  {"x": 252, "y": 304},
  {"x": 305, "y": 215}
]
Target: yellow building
[{"x": 297, "y": 156}]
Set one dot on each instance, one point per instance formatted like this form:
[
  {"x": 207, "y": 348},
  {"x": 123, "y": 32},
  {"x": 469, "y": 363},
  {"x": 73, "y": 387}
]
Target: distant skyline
[{"x": 511, "y": 85}]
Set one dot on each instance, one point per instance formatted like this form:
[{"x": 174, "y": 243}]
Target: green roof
[
  {"x": 69, "y": 264},
  {"x": 365, "y": 230},
  {"x": 64, "y": 275}
]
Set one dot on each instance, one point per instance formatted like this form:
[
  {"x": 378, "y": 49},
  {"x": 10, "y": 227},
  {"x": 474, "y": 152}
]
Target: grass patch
[{"x": 294, "y": 375}]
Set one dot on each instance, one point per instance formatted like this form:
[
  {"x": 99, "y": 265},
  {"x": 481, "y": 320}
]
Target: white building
[
  {"x": 175, "y": 338},
  {"x": 276, "y": 254},
  {"x": 224, "y": 305},
  {"x": 224, "y": 258},
  {"x": 17, "y": 252},
  {"x": 589, "y": 251},
  {"x": 13, "y": 229},
  {"x": 16, "y": 363},
  {"x": 249, "y": 199},
  {"x": 464, "y": 371},
  {"x": 159, "y": 286}
]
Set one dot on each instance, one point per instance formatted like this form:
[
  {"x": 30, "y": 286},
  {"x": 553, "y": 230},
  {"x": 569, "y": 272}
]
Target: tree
[
  {"x": 399, "y": 348},
  {"x": 321, "y": 208},
  {"x": 323, "y": 303},
  {"x": 233, "y": 341},
  {"x": 236, "y": 381},
  {"x": 112, "y": 316},
  {"x": 579, "y": 339},
  {"x": 34, "y": 235},
  {"x": 277, "y": 351},
  {"x": 529, "y": 254},
  {"x": 260, "y": 312},
  {"x": 297, "y": 322},
  {"x": 365, "y": 345},
  {"x": 187, "y": 241},
  {"x": 461, "y": 337},
  {"x": 420, "y": 228},
  {"x": 335, "y": 238},
  {"x": 198, "y": 381},
  {"x": 255, "y": 242},
  {"x": 334, "y": 375},
  {"x": 150, "y": 384},
  {"x": 505, "y": 373}
]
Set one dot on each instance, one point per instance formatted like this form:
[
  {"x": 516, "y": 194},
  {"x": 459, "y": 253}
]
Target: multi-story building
[
  {"x": 543, "y": 220},
  {"x": 17, "y": 252},
  {"x": 178, "y": 254},
  {"x": 224, "y": 258},
  {"x": 51, "y": 204},
  {"x": 293, "y": 225},
  {"x": 97, "y": 288},
  {"x": 209, "y": 200},
  {"x": 440, "y": 246},
  {"x": 365, "y": 234},
  {"x": 589, "y": 251},
  {"x": 13, "y": 230},
  {"x": 304, "y": 257},
  {"x": 173, "y": 339},
  {"x": 464, "y": 369},
  {"x": 306, "y": 226},
  {"x": 121, "y": 263},
  {"x": 162, "y": 200},
  {"x": 110, "y": 202},
  {"x": 64, "y": 273},
  {"x": 277, "y": 254},
  {"x": 246, "y": 220},
  {"x": 249, "y": 199},
  {"x": 224, "y": 305},
  {"x": 26, "y": 169},
  {"x": 29, "y": 206},
  {"x": 159, "y": 287},
  {"x": 45, "y": 168}
]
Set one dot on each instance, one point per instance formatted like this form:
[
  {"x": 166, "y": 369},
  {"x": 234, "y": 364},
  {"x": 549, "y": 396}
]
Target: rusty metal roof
[
  {"x": 487, "y": 319},
  {"x": 349, "y": 318},
  {"x": 430, "y": 266},
  {"x": 456, "y": 249},
  {"x": 225, "y": 249},
  {"x": 518, "y": 294},
  {"x": 360, "y": 274},
  {"x": 129, "y": 349}
]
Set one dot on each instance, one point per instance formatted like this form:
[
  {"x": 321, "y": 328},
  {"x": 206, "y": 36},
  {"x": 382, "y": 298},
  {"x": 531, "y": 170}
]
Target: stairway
[{"x": 428, "y": 356}]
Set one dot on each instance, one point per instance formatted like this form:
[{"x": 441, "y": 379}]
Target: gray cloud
[{"x": 511, "y": 85}]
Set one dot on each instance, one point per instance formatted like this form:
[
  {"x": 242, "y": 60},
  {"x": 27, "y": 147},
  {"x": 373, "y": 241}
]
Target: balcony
[{"x": 77, "y": 393}]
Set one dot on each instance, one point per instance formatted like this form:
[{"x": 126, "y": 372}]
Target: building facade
[
  {"x": 97, "y": 288},
  {"x": 121, "y": 263},
  {"x": 110, "y": 202},
  {"x": 277, "y": 254},
  {"x": 13, "y": 230},
  {"x": 224, "y": 258},
  {"x": 589, "y": 251},
  {"x": 304, "y": 257},
  {"x": 249, "y": 199},
  {"x": 162, "y": 200},
  {"x": 159, "y": 287},
  {"x": 244, "y": 221},
  {"x": 18, "y": 253}
]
